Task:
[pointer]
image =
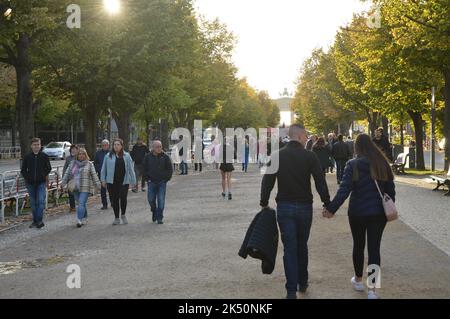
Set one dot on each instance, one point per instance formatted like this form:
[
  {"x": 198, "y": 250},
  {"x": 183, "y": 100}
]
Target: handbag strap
[{"x": 379, "y": 191}]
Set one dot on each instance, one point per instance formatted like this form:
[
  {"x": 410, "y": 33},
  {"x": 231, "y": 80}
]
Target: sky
[{"x": 276, "y": 36}]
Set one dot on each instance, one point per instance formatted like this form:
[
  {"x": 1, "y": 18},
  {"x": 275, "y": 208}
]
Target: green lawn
[{"x": 422, "y": 173}]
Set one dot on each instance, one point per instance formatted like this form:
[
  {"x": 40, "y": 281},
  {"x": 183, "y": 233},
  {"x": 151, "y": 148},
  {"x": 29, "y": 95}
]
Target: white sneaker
[
  {"x": 84, "y": 221},
  {"x": 358, "y": 286},
  {"x": 372, "y": 295}
]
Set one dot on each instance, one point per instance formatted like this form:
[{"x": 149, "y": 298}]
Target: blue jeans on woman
[
  {"x": 157, "y": 191},
  {"x": 82, "y": 200},
  {"x": 37, "y": 193},
  {"x": 295, "y": 221}
]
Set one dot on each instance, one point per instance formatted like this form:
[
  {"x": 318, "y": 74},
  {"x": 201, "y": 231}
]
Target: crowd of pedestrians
[{"x": 362, "y": 171}]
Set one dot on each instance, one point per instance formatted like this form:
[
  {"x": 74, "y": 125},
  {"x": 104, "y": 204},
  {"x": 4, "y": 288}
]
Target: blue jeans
[
  {"x": 82, "y": 200},
  {"x": 103, "y": 195},
  {"x": 157, "y": 191},
  {"x": 37, "y": 194},
  {"x": 245, "y": 164},
  {"x": 184, "y": 167},
  {"x": 295, "y": 221}
]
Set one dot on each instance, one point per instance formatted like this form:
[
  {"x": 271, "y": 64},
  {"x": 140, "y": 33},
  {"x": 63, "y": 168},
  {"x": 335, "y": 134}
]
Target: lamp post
[
  {"x": 433, "y": 124},
  {"x": 110, "y": 118}
]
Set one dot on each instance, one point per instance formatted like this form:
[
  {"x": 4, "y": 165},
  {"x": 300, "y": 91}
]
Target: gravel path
[{"x": 194, "y": 254}]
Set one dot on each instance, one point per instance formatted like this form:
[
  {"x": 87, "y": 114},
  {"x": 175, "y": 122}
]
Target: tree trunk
[
  {"x": 24, "y": 99},
  {"x": 123, "y": 124},
  {"x": 402, "y": 136},
  {"x": 14, "y": 129},
  {"x": 90, "y": 128},
  {"x": 385, "y": 124},
  {"x": 418, "y": 132},
  {"x": 373, "y": 119},
  {"x": 57, "y": 133},
  {"x": 447, "y": 117},
  {"x": 164, "y": 129}
]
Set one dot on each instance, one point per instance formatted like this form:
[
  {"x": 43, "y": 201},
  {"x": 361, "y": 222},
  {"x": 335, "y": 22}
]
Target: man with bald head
[
  {"x": 157, "y": 172},
  {"x": 295, "y": 204}
]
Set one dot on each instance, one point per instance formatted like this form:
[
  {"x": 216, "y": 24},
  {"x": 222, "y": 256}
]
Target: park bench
[
  {"x": 442, "y": 181},
  {"x": 399, "y": 164},
  {"x": 13, "y": 191}
]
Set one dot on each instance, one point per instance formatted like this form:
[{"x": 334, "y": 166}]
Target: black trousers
[
  {"x": 340, "y": 166},
  {"x": 118, "y": 194},
  {"x": 373, "y": 226}
]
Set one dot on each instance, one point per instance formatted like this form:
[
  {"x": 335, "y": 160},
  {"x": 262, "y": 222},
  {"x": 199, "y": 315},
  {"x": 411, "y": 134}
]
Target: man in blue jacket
[
  {"x": 98, "y": 163},
  {"x": 158, "y": 171}
]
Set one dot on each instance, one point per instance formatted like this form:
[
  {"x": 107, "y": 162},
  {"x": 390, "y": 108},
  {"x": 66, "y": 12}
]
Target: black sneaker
[
  {"x": 143, "y": 190},
  {"x": 223, "y": 195},
  {"x": 104, "y": 208},
  {"x": 40, "y": 225},
  {"x": 229, "y": 196},
  {"x": 160, "y": 222},
  {"x": 33, "y": 225},
  {"x": 134, "y": 190},
  {"x": 302, "y": 288}
]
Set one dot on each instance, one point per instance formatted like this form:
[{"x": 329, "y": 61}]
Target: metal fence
[
  {"x": 10, "y": 152},
  {"x": 13, "y": 190}
]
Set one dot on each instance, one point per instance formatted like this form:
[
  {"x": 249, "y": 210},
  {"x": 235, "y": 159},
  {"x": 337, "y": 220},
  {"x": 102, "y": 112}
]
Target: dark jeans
[
  {"x": 139, "y": 171},
  {"x": 118, "y": 194},
  {"x": 156, "y": 193},
  {"x": 373, "y": 226},
  {"x": 37, "y": 193},
  {"x": 71, "y": 200},
  {"x": 198, "y": 167},
  {"x": 103, "y": 195},
  {"x": 295, "y": 221},
  {"x": 340, "y": 165}
]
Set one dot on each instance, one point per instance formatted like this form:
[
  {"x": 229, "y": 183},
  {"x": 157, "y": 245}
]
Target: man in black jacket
[
  {"x": 35, "y": 169},
  {"x": 158, "y": 171},
  {"x": 294, "y": 204},
  {"x": 341, "y": 155},
  {"x": 138, "y": 153}
]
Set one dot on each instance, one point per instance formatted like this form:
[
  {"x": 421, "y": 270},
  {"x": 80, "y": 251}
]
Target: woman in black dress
[{"x": 226, "y": 168}]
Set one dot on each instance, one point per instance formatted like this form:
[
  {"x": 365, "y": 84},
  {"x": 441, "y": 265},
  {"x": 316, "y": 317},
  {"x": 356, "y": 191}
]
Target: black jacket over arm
[
  {"x": 296, "y": 166},
  {"x": 261, "y": 240}
]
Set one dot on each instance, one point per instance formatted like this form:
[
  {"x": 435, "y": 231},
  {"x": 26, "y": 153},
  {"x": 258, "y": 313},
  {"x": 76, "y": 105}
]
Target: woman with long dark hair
[
  {"x": 365, "y": 211},
  {"x": 117, "y": 175}
]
